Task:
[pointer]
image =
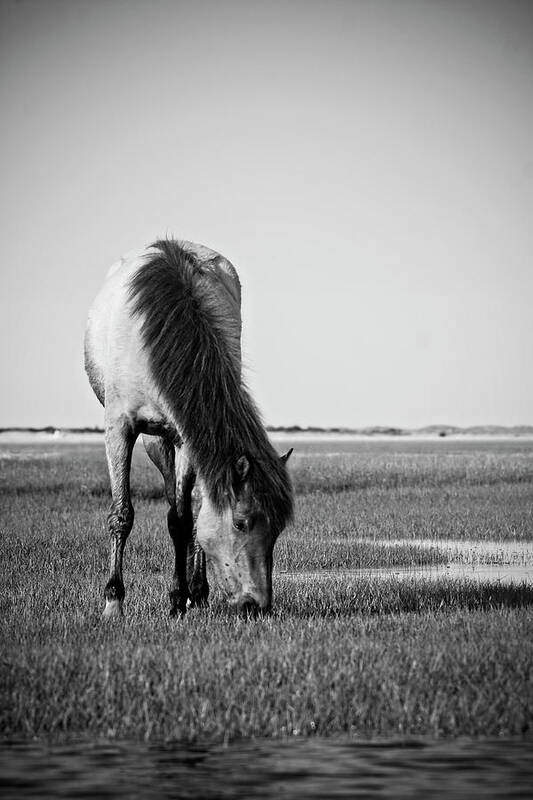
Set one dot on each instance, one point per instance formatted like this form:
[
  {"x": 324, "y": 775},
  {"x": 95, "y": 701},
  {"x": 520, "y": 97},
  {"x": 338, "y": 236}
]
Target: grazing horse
[{"x": 163, "y": 356}]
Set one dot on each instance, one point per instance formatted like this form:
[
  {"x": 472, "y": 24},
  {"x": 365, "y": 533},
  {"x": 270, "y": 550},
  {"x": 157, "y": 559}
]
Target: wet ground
[
  {"x": 495, "y": 573},
  {"x": 288, "y": 769},
  {"x": 499, "y": 562},
  {"x": 469, "y": 551}
]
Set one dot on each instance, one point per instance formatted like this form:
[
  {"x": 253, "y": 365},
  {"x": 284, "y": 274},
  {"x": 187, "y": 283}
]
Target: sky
[{"x": 366, "y": 166}]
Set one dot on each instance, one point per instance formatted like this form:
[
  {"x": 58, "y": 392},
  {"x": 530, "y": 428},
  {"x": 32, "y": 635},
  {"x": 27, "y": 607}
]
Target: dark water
[{"x": 311, "y": 768}]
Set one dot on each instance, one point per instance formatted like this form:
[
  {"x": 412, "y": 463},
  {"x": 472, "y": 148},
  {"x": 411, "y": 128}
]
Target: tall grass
[{"x": 443, "y": 672}]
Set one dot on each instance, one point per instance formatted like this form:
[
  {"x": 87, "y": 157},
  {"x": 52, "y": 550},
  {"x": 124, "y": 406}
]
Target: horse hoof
[
  {"x": 113, "y": 609},
  {"x": 199, "y": 602}
]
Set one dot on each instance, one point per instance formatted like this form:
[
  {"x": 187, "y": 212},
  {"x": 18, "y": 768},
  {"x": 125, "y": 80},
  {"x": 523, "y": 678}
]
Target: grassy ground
[{"x": 367, "y": 656}]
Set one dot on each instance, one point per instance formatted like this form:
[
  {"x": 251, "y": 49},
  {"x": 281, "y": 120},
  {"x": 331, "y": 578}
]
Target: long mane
[{"x": 196, "y": 368}]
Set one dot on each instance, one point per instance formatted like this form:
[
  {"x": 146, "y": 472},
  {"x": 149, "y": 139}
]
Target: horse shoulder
[{"x": 115, "y": 361}]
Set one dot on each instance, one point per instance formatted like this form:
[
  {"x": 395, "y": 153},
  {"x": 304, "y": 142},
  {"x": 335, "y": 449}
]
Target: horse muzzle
[{"x": 249, "y": 608}]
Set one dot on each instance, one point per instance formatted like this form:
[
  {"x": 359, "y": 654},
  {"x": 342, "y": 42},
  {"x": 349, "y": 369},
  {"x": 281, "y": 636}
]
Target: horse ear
[
  {"x": 287, "y": 455},
  {"x": 242, "y": 467}
]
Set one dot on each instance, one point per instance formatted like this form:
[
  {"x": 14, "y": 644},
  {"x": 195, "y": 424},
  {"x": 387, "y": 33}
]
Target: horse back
[{"x": 116, "y": 362}]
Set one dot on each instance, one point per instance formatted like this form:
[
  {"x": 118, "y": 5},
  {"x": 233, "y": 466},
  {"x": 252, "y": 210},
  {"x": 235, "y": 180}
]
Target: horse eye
[{"x": 239, "y": 524}]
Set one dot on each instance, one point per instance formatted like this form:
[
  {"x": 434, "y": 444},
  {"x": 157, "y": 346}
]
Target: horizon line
[{"x": 444, "y": 428}]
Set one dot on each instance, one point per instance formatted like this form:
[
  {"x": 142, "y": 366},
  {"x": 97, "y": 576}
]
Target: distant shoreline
[{"x": 279, "y": 433}]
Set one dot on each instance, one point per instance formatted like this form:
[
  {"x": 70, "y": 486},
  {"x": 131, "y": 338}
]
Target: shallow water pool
[{"x": 495, "y": 573}]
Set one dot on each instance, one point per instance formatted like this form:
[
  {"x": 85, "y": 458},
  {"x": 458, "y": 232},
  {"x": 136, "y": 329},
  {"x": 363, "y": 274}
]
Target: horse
[{"x": 163, "y": 356}]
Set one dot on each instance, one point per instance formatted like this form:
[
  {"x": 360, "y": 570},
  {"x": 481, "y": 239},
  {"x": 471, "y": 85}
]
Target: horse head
[{"x": 239, "y": 539}]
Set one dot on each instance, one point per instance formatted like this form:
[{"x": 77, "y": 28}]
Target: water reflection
[
  {"x": 495, "y": 573},
  {"x": 308, "y": 768},
  {"x": 498, "y": 562}
]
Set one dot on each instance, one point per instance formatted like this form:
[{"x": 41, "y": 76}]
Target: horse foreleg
[
  {"x": 175, "y": 468},
  {"x": 180, "y": 527},
  {"x": 119, "y": 441}
]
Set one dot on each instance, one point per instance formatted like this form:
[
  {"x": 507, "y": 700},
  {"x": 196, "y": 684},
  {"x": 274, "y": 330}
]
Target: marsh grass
[
  {"x": 367, "y": 656},
  {"x": 445, "y": 671}
]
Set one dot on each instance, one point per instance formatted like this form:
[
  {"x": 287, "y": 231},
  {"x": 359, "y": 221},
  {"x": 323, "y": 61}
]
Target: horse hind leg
[
  {"x": 119, "y": 441},
  {"x": 179, "y": 478}
]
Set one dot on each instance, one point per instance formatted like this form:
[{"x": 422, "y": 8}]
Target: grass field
[{"x": 365, "y": 656}]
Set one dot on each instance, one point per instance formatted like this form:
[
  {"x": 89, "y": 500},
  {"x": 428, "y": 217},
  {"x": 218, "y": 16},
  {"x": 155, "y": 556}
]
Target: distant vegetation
[
  {"x": 375, "y": 430},
  {"x": 51, "y": 429}
]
